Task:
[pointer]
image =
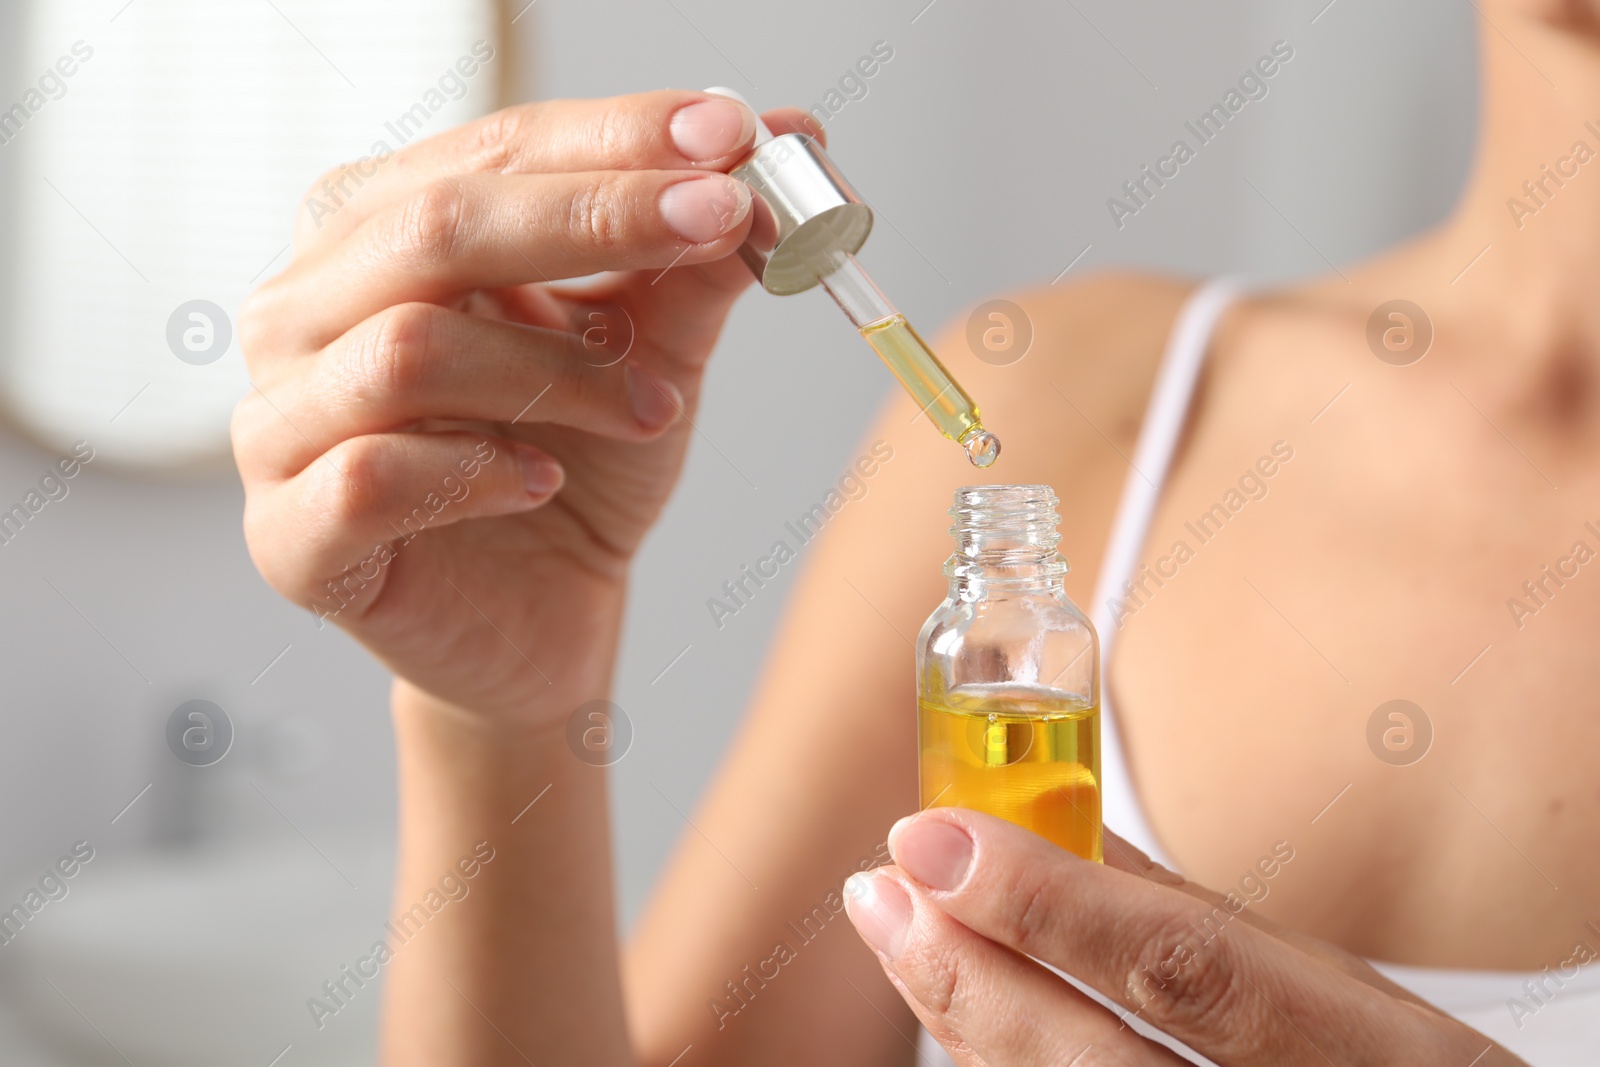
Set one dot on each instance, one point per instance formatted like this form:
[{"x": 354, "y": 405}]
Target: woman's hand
[
  {"x": 971, "y": 897},
  {"x": 452, "y": 458}
]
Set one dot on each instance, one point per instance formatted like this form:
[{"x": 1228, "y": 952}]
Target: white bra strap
[{"x": 1158, "y": 439}]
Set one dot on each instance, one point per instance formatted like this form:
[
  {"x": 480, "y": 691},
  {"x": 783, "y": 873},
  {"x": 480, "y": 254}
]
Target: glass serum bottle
[{"x": 1008, "y": 675}]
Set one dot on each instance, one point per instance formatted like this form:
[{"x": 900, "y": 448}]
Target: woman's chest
[{"x": 1379, "y": 647}]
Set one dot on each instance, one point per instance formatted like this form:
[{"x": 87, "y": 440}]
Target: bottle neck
[{"x": 1006, "y": 540}]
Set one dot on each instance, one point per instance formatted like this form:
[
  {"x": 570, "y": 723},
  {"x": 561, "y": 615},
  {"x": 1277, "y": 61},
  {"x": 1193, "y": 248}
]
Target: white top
[{"x": 1552, "y": 1022}]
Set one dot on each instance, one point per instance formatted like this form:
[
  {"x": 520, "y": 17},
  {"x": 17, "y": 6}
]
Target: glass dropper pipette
[
  {"x": 809, "y": 223},
  {"x": 908, "y": 356}
]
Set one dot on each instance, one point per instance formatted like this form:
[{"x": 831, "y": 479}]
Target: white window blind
[{"x": 167, "y": 168}]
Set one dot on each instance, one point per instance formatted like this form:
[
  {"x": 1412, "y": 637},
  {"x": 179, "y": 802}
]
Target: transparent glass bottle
[{"x": 1008, "y": 675}]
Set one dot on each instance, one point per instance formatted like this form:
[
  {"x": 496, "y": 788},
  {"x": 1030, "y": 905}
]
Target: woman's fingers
[
  {"x": 413, "y": 362},
  {"x": 1125, "y": 857},
  {"x": 985, "y": 1003},
  {"x": 667, "y": 130},
  {"x": 1228, "y": 990},
  {"x": 354, "y": 510},
  {"x": 458, "y": 235}
]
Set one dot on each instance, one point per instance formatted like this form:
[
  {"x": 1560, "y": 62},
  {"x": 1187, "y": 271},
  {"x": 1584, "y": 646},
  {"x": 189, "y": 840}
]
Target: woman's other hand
[{"x": 972, "y": 897}]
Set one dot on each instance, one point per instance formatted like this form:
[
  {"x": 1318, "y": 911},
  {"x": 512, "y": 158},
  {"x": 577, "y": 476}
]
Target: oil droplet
[{"x": 982, "y": 448}]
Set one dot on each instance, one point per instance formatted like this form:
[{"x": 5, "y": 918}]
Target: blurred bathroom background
[{"x": 166, "y": 169}]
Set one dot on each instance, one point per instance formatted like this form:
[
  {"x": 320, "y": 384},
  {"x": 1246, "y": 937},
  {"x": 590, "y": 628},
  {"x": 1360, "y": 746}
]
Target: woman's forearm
[{"x": 503, "y": 941}]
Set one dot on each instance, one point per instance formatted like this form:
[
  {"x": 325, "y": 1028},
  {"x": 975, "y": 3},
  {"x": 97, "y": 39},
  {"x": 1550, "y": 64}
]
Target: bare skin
[{"x": 386, "y": 357}]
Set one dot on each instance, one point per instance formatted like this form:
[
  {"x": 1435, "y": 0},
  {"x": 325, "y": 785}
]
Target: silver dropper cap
[{"x": 807, "y": 215}]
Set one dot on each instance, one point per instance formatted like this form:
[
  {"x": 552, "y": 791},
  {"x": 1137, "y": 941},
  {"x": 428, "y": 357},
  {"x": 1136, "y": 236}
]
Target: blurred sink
[{"x": 204, "y": 957}]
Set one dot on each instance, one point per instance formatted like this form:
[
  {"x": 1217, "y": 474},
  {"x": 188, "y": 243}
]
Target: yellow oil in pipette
[{"x": 949, "y": 407}]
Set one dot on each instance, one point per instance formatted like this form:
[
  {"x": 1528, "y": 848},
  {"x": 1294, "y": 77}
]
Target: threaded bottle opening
[{"x": 1006, "y": 533}]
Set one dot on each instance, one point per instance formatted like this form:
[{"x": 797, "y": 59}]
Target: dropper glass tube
[{"x": 908, "y": 356}]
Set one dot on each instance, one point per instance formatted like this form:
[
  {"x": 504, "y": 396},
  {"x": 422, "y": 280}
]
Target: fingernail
[
  {"x": 541, "y": 475},
  {"x": 703, "y": 209},
  {"x": 711, "y": 129},
  {"x": 656, "y": 401},
  {"x": 932, "y": 851},
  {"x": 880, "y": 909}
]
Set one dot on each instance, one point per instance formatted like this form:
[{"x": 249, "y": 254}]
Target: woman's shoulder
[
  {"x": 1105, "y": 333},
  {"x": 1083, "y": 358},
  {"x": 1098, "y": 343}
]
